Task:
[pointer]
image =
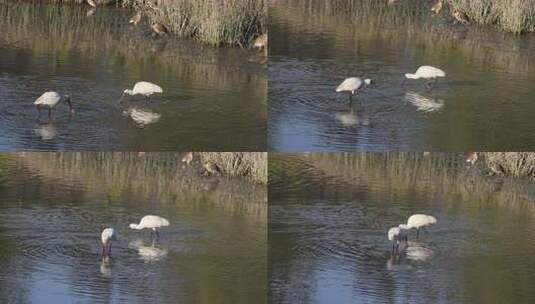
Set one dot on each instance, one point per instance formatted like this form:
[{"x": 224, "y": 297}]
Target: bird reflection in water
[
  {"x": 350, "y": 118},
  {"x": 142, "y": 117},
  {"x": 46, "y": 130},
  {"x": 423, "y": 103},
  {"x": 148, "y": 253},
  {"x": 105, "y": 267}
]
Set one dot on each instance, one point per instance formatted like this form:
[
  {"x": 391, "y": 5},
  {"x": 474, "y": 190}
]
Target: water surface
[
  {"x": 213, "y": 100},
  {"x": 485, "y": 103},
  {"x": 329, "y": 216},
  {"x": 54, "y": 206}
]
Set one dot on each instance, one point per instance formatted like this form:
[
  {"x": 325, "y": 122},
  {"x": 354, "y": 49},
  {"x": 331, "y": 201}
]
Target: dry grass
[
  {"x": 252, "y": 165},
  {"x": 216, "y": 22},
  {"x": 515, "y": 16},
  {"x": 516, "y": 164}
]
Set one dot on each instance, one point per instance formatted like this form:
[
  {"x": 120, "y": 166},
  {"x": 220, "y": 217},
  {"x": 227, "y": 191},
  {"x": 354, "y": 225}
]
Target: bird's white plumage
[
  {"x": 352, "y": 84},
  {"x": 150, "y": 222},
  {"x": 426, "y": 72},
  {"x": 420, "y": 220},
  {"x": 49, "y": 99},
  {"x": 107, "y": 235},
  {"x": 144, "y": 88},
  {"x": 394, "y": 233}
]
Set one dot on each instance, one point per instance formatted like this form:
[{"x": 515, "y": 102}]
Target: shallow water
[
  {"x": 485, "y": 103},
  {"x": 329, "y": 216},
  {"x": 213, "y": 99},
  {"x": 53, "y": 208}
]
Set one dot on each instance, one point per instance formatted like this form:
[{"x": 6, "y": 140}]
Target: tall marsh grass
[
  {"x": 516, "y": 16},
  {"x": 516, "y": 164},
  {"x": 217, "y": 22},
  {"x": 252, "y": 165}
]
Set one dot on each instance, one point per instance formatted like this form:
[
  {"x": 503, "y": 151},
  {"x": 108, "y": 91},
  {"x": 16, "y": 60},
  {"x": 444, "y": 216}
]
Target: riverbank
[{"x": 214, "y": 22}]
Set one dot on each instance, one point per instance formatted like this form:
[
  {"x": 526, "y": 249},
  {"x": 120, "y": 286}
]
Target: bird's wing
[{"x": 48, "y": 98}]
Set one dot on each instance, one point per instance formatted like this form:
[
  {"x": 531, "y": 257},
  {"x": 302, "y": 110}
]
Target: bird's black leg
[
  {"x": 146, "y": 98},
  {"x": 109, "y": 249},
  {"x": 157, "y": 234},
  {"x": 103, "y": 250},
  {"x": 39, "y": 110},
  {"x": 417, "y": 232},
  {"x": 49, "y": 112}
]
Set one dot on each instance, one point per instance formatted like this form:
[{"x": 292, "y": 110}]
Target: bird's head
[
  {"x": 368, "y": 81},
  {"x": 134, "y": 226},
  {"x": 431, "y": 219}
]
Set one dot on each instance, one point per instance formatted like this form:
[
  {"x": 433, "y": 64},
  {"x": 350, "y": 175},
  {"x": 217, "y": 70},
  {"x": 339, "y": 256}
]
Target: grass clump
[
  {"x": 516, "y": 16},
  {"x": 252, "y": 165},
  {"x": 217, "y": 22},
  {"x": 516, "y": 164}
]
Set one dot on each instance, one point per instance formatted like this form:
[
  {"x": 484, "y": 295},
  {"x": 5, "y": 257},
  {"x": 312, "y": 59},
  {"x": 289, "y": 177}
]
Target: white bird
[
  {"x": 106, "y": 237},
  {"x": 153, "y": 222},
  {"x": 394, "y": 235},
  {"x": 352, "y": 85},
  {"x": 143, "y": 88},
  {"x": 50, "y": 100},
  {"x": 419, "y": 221},
  {"x": 426, "y": 72}
]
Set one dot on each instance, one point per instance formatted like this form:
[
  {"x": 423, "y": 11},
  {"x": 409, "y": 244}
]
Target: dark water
[
  {"x": 214, "y": 99},
  {"x": 329, "y": 215},
  {"x": 485, "y": 103},
  {"x": 54, "y": 207}
]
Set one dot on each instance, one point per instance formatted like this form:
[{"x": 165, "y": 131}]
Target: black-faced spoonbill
[
  {"x": 419, "y": 221},
  {"x": 426, "y": 72},
  {"x": 50, "y": 100},
  {"x": 144, "y": 88},
  {"x": 396, "y": 235},
  {"x": 353, "y": 85},
  {"x": 107, "y": 236},
  {"x": 153, "y": 222}
]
